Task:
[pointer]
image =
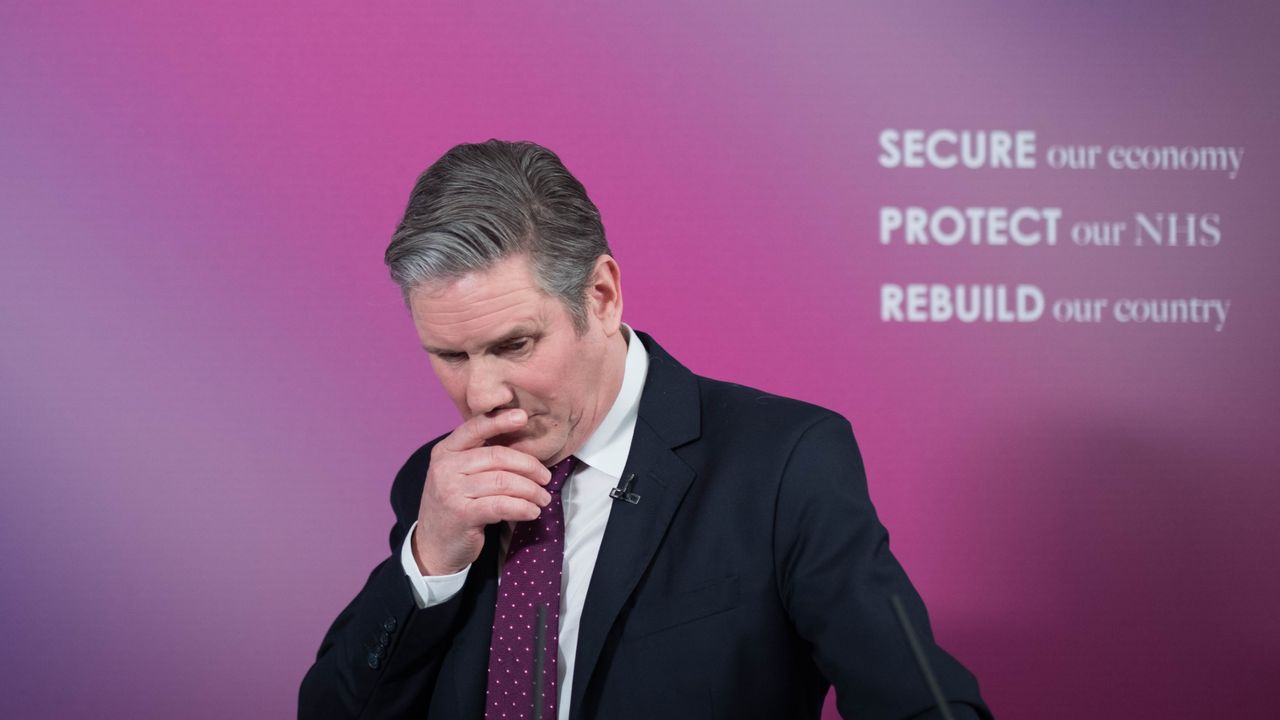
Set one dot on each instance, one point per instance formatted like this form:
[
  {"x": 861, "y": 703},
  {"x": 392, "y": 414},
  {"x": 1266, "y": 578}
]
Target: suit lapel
[{"x": 668, "y": 418}]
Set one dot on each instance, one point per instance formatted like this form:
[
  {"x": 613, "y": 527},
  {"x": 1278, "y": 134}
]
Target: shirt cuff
[{"x": 429, "y": 590}]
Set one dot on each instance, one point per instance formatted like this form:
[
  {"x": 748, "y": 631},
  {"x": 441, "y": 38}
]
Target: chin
[{"x": 544, "y": 448}]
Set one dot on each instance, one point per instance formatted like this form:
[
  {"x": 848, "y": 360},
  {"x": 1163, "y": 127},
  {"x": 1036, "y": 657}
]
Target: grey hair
[{"x": 483, "y": 202}]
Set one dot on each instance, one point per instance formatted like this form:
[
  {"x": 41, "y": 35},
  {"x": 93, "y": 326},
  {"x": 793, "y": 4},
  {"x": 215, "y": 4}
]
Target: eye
[
  {"x": 453, "y": 358},
  {"x": 513, "y": 347}
]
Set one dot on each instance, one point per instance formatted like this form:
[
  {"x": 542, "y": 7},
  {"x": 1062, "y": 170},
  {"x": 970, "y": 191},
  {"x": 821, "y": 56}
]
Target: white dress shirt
[{"x": 586, "y": 502}]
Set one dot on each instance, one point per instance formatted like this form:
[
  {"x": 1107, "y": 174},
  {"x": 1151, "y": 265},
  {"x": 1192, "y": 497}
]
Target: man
[{"x": 605, "y": 534}]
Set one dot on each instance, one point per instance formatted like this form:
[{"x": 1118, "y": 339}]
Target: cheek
[
  {"x": 539, "y": 396},
  {"x": 542, "y": 391}
]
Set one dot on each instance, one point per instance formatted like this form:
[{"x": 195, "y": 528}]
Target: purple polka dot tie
[{"x": 530, "y": 589}]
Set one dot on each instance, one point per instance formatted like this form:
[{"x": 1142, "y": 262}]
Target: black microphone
[
  {"x": 623, "y": 491},
  {"x": 539, "y": 653},
  {"x": 921, "y": 661}
]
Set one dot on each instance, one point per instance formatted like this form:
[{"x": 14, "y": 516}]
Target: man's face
[{"x": 497, "y": 342}]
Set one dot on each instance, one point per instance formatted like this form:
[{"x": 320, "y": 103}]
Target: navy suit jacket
[{"x": 751, "y": 576}]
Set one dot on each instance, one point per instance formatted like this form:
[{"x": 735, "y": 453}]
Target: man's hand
[{"x": 470, "y": 485}]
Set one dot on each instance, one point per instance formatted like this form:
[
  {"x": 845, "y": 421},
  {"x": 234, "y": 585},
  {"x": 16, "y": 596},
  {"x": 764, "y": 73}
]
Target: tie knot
[{"x": 560, "y": 472}]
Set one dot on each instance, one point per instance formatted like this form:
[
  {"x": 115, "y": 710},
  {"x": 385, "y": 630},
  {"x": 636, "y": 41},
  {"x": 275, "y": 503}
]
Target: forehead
[{"x": 480, "y": 307}]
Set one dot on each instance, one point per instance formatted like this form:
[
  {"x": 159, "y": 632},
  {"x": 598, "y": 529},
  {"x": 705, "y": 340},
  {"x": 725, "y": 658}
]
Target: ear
[{"x": 604, "y": 294}]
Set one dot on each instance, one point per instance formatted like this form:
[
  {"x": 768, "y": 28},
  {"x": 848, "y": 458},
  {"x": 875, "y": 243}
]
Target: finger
[
  {"x": 498, "y": 457},
  {"x": 509, "y": 484},
  {"x": 501, "y": 508},
  {"x": 473, "y": 432}
]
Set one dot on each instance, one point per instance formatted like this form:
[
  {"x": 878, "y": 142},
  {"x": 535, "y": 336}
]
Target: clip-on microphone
[{"x": 623, "y": 491}]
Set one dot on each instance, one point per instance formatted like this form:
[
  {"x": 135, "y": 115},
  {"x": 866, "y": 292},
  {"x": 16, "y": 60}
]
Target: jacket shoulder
[{"x": 731, "y": 407}]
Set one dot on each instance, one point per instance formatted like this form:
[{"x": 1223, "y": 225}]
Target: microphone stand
[
  {"x": 938, "y": 698},
  {"x": 539, "y": 660}
]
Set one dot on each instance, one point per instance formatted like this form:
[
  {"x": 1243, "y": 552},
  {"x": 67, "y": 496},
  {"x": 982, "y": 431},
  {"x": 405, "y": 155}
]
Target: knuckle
[{"x": 494, "y": 505}]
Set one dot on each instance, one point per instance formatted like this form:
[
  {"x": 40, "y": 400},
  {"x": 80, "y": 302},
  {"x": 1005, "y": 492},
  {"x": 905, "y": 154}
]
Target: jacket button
[
  {"x": 389, "y": 624},
  {"x": 375, "y": 660},
  {"x": 384, "y": 638}
]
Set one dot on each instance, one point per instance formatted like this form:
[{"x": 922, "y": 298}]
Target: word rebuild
[
  {"x": 936, "y": 302},
  {"x": 996, "y": 303}
]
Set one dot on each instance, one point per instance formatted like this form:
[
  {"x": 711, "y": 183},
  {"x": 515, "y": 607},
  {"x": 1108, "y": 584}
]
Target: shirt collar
[{"x": 607, "y": 448}]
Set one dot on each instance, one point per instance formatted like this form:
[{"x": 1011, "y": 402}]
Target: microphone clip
[{"x": 623, "y": 491}]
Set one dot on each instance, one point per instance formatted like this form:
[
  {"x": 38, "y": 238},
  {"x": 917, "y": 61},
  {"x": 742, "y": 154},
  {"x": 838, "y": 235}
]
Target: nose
[{"x": 487, "y": 389}]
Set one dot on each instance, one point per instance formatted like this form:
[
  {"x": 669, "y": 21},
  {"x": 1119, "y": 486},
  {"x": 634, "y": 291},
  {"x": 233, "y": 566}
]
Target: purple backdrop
[{"x": 207, "y": 382}]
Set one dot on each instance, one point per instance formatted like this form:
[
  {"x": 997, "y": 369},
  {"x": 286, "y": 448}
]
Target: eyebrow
[{"x": 510, "y": 336}]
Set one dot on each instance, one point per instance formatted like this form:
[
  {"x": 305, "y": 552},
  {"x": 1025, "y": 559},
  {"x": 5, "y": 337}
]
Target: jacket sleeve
[
  {"x": 381, "y": 656},
  {"x": 837, "y": 577}
]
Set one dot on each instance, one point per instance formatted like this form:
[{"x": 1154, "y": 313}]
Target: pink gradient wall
[{"x": 207, "y": 382}]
